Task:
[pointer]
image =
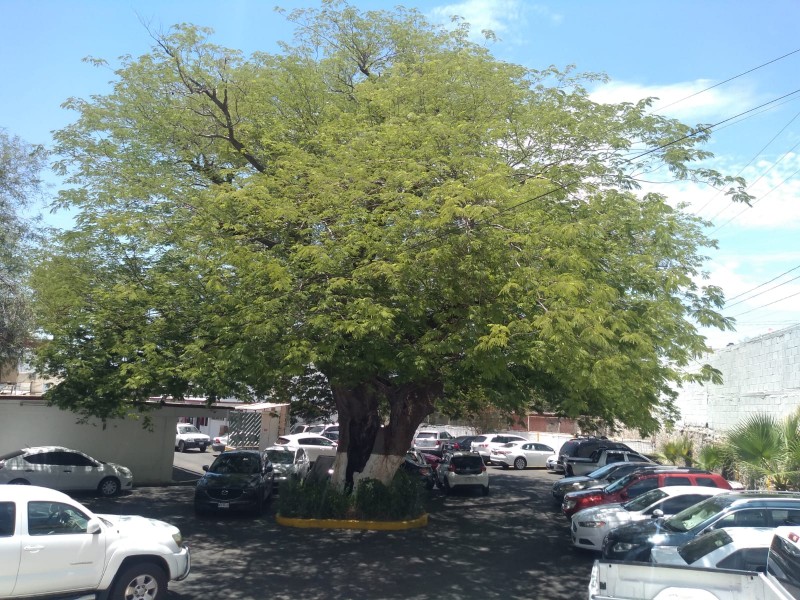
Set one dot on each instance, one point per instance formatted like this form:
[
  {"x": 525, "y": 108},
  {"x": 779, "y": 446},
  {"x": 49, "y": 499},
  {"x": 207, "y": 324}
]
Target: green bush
[{"x": 403, "y": 499}]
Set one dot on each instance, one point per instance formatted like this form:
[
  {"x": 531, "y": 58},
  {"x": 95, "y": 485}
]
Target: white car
[
  {"x": 553, "y": 465},
  {"x": 219, "y": 443},
  {"x": 521, "y": 454},
  {"x": 53, "y": 546},
  {"x": 188, "y": 436},
  {"x": 314, "y": 445},
  {"x": 431, "y": 440},
  {"x": 741, "y": 548},
  {"x": 484, "y": 443},
  {"x": 63, "y": 469},
  {"x": 590, "y": 525},
  {"x": 462, "y": 469}
]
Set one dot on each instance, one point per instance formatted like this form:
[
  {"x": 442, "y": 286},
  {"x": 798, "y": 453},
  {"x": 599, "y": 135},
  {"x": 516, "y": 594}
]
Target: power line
[
  {"x": 768, "y": 304},
  {"x": 763, "y": 284},
  {"x": 774, "y": 287},
  {"x": 661, "y": 108}
]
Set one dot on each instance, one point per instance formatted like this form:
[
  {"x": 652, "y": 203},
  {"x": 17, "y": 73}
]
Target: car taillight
[
  {"x": 483, "y": 468},
  {"x": 451, "y": 468}
]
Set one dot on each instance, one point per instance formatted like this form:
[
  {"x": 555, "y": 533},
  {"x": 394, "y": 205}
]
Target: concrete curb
[{"x": 352, "y": 524}]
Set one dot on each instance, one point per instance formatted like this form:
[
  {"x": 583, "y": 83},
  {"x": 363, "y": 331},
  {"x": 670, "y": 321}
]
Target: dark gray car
[{"x": 734, "y": 509}]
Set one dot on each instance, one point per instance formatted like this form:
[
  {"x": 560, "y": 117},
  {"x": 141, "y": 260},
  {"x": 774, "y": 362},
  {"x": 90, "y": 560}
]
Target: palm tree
[
  {"x": 711, "y": 457},
  {"x": 766, "y": 450},
  {"x": 678, "y": 451}
]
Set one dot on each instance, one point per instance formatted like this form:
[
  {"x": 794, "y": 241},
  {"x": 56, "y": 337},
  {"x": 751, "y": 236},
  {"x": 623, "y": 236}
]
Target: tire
[
  {"x": 202, "y": 448},
  {"x": 109, "y": 486},
  {"x": 142, "y": 581},
  {"x": 505, "y": 466},
  {"x": 181, "y": 446},
  {"x": 520, "y": 463},
  {"x": 19, "y": 482},
  {"x": 569, "y": 472},
  {"x": 485, "y": 490}
]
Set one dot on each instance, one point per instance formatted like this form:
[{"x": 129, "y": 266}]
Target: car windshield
[
  {"x": 188, "y": 429},
  {"x": 694, "y": 515},
  {"x": 645, "y": 500},
  {"x": 281, "y": 457},
  {"x": 235, "y": 463},
  {"x": 620, "y": 483}
]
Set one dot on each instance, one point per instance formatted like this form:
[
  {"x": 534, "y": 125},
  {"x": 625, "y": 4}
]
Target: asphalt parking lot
[{"x": 512, "y": 544}]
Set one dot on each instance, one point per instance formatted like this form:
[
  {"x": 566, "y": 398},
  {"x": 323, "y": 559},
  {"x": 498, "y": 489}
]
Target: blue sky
[{"x": 669, "y": 50}]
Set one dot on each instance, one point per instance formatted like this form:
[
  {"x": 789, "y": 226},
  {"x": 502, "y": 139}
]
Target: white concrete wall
[
  {"x": 759, "y": 376},
  {"x": 149, "y": 454}
]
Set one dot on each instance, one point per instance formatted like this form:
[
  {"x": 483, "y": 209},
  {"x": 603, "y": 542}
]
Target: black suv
[
  {"x": 732, "y": 509},
  {"x": 583, "y": 447}
]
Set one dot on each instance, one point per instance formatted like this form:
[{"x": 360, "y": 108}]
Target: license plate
[{"x": 223, "y": 504}]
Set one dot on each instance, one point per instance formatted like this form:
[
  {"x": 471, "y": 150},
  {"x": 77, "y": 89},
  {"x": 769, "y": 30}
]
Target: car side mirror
[
  {"x": 658, "y": 513},
  {"x": 205, "y": 467},
  {"x": 93, "y": 526}
]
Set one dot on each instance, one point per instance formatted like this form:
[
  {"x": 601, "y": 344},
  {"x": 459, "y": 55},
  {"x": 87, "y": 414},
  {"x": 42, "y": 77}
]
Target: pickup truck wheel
[
  {"x": 143, "y": 581},
  {"x": 520, "y": 463},
  {"x": 181, "y": 446},
  {"x": 109, "y": 486},
  {"x": 202, "y": 448}
]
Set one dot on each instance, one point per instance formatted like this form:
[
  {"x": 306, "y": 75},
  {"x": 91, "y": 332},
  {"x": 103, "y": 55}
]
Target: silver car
[
  {"x": 288, "y": 462},
  {"x": 63, "y": 469}
]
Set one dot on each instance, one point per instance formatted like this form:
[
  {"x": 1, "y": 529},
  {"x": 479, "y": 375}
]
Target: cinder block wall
[{"x": 760, "y": 376}]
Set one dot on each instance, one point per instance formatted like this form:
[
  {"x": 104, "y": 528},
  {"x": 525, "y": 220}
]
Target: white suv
[{"x": 431, "y": 440}]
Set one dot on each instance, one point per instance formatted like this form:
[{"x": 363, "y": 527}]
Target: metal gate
[{"x": 244, "y": 429}]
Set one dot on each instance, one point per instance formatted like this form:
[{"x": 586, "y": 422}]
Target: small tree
[{"x": 678, "y": 451}]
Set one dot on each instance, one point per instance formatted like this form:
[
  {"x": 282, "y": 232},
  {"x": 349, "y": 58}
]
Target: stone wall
[{"x": 761, "y": 375}]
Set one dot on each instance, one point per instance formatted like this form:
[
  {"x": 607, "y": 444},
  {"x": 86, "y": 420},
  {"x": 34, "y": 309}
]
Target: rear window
[
  {"x": 426, "y": 435},
  {"x": 467, "y": 462},
  {"x": 480, "y": 438},
  {"x": 700, "y": 546}
]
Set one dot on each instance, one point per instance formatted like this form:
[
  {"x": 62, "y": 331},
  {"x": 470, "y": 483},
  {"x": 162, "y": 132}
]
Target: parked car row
[{"x": 668, "y": 515}]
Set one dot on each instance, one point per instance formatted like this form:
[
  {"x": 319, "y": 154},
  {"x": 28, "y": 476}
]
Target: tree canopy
[
  {"x": 386, "y": 204},
  {"x": 20, "y": 167}
]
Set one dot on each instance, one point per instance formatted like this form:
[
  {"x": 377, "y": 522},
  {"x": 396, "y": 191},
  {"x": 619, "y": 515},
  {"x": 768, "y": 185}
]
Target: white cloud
[
  {"x": 678, "y": 100},
  {"x": 506, "y": 18}
]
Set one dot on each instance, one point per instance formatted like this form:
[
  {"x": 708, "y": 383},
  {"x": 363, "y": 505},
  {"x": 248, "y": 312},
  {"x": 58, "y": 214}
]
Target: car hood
[
  {"x": 286, "y": 469},
  {"x": 134, "y": 525},
  {"x": 228, "y": 480},
  {"x": 193, "y": 436},
  {"x": 578, "y": 494}
]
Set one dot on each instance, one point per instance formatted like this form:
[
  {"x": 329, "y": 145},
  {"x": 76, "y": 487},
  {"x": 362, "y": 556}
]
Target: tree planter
[{"x": 421, "y": 521}]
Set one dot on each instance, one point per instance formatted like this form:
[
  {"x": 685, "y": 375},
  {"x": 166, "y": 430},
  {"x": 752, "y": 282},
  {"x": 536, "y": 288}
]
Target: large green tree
[
  {"x": 20, "y": 184},
  {"x": 383, "y": 203}
]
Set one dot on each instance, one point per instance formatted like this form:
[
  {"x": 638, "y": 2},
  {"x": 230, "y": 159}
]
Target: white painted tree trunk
[{"x": 379, "y": 466}]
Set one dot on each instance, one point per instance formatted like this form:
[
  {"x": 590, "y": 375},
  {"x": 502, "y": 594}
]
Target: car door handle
[{"x": 33, "y": 549}]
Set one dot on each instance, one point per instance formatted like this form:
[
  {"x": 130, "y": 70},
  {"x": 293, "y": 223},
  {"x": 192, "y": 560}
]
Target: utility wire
[
  {"x": 766, "y": 305},
  {"x": 763, "y": 284},
  {"x": 774, "y": 287},
  {"x": 661, "y": 108}
]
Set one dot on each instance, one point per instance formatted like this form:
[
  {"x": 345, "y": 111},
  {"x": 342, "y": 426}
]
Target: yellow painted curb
[{"x": 352, "y": 524}]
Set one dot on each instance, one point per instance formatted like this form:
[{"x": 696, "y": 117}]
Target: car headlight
[
  {"x": 568, "y": 504},
  {"x": 620, "y": 547},
  {"x": 592, "y": 524},
  {"x": 178, "y": 538}
]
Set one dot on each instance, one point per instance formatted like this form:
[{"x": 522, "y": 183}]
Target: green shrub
[{"x": 403, "y": 499}]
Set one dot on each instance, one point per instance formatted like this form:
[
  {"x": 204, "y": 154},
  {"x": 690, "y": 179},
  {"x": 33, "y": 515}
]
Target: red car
[{"x": 637, "y": 483}]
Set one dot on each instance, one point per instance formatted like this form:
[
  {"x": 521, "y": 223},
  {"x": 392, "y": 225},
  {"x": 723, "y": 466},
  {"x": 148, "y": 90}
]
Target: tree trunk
[{"x": 367, "y": 450}]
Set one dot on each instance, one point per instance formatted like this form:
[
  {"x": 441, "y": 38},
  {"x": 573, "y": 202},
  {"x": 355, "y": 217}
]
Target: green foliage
[
  {"x": 679, "y": 451},
  {"x": 711, "y": 457},
  {"x": 20, "y": 168},
  {"x": 402, "y": 500},
  {"x": 387, "y": 202},
  {"x": 765, "y": 451}
]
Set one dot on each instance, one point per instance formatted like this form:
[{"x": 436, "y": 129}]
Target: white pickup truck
[
  {"x": 613, "y": 580},
  {"x": 53, "y": 546}
]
